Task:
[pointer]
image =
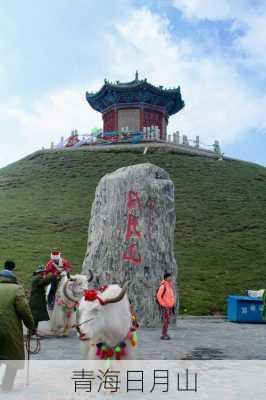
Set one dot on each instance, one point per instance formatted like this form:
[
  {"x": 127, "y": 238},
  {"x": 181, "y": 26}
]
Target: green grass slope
[{"x": 220, "y": 237}]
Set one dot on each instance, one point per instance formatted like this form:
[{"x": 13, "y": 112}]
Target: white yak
[
  {"x": 104, "y": 324},
  {"x": 68, "y": 294}
]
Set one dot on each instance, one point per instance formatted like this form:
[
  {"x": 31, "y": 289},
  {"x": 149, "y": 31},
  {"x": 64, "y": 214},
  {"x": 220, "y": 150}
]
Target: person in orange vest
[{"x": 166, "y": 299}]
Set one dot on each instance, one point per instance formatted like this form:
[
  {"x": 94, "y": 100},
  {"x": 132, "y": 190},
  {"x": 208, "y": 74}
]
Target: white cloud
[
  {"x": 206, "y": 9},
  {"x": 247, "y": 15},
  {"x": 219, "y": 104},
  {"x": 53, "y": 116},
  {"x": 58, "y": 113},
  {"x": 253, "y": 42}
]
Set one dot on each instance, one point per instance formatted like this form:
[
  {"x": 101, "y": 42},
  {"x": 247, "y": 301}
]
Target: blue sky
[{"x": 53, "y": 51}]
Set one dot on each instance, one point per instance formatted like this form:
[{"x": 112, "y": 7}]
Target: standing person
[
  {"x": 55, "y": 265},
  {"x": 13, "y": 310},
  {"x": 166, "y": 299},
  {"x": 38, "y": 296},
  {"x": 9, "y": 265}
]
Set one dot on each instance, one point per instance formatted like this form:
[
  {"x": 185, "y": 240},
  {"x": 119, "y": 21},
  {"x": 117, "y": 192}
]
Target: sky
[{"x": 52, "y": 52}]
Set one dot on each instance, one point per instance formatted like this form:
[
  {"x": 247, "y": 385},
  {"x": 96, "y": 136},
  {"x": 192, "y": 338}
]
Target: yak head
[
  {"x": 75, "y": 285},
  {"x": 104, "y": 315}
]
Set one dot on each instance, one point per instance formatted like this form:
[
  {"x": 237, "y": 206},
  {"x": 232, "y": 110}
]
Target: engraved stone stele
[{"x": 131, "y": 234}]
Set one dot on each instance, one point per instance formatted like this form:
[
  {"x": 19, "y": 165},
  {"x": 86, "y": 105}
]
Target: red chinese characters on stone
[
  {"x": 132, "y": 223},
  {"x": 133, "y": 200},
  {"x": 131, "y": 254}
]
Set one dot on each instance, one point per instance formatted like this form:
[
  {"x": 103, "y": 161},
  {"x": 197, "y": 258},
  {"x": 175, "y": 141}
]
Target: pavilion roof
[{"x": 135, "y": 92}]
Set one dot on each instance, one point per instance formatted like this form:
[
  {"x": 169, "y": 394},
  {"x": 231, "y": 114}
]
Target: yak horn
[
  {"x": 118, "y": 297},
  {"x": 90, "y": 276}
]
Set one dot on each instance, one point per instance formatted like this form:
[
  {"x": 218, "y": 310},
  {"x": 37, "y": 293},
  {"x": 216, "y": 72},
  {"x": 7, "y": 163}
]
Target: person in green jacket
[
  {"x": 38, "y": 296},
  {"x": 14, "y": 310}
]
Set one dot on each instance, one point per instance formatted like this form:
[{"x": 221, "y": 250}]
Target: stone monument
[{"x": 131, "y": 234}]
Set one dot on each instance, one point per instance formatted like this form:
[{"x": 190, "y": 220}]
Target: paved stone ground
[{"x": 199, "y": 339}]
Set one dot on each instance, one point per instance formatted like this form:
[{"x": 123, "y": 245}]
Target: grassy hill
[{"x": 220, "y": 240}]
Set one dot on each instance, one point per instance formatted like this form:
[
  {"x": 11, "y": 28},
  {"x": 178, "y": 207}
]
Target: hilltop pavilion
[{"x": 135, "y": 105}]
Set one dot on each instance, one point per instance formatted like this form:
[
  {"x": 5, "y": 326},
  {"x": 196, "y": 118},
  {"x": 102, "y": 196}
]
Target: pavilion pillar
[
  {"x": 104, "y": 124},
  {"x": 115, "y": 119},
  {"x": 164, "y": 128},
  {"x": 141, "y": 118}
]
